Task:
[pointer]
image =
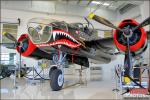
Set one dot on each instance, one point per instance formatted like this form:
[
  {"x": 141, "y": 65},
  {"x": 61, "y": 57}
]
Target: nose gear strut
[{"x": 57, "y": 74}]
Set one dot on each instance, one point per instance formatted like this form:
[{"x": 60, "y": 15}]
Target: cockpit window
[
  {"x": 39, "y": 30},
  {"x": 46, "y": 33},
  {"x": 33, "y": 34},
  {"x": 59, "y": 25}
]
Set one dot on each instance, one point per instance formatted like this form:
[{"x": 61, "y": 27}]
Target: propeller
[
  {"x": 103, "y": 21},
  {"x": 129, "y": 58},
  {"x": 109, "y": 24},
  {"x": 15, "y": 44},
  {"x": 126, "y": 32},
  {"x": 9, "y": 36},
  {"x": 12, "y": 38}
]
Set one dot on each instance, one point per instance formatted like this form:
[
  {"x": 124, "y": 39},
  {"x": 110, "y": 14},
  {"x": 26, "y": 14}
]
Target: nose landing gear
[
  {"x": 56, "y": 72},
  {"x": 57, "y": 80}
]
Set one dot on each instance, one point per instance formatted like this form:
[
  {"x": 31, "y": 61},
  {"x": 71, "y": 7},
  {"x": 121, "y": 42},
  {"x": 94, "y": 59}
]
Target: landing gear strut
[{"x": 56, "y": 72}]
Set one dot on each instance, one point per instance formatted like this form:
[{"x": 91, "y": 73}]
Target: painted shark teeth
[
  {"x": 58, "y": 33},
  {"x": 54, "y": 35},
  {"x": 72, "y": 44},
  {"x": 59, "y": 44}
]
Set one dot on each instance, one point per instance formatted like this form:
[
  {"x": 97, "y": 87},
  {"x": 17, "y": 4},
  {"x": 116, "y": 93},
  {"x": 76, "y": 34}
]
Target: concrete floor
[
  {"x": 100, "y": 89},
  {"x": 94, "y": 86}
]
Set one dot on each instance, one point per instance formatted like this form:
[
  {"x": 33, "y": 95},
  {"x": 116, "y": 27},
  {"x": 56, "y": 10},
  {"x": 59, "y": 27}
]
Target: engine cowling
[
  {"x": 28, "y": 49},
  {"x": 138, "y": 40}
]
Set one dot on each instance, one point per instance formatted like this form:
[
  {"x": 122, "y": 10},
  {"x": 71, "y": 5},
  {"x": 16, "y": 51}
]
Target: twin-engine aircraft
[{"x": 65, "y": 43}]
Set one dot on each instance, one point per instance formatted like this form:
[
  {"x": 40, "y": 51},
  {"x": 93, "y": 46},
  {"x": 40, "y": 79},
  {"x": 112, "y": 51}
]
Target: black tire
[
  {"x": 51, "y": 70},
  {"x": 56, "y": 81}
]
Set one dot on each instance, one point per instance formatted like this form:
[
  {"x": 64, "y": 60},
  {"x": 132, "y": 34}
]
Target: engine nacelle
[
  {"x": 27, "y": 44},
  {"x": 138, "y": 41},
  {"x": 28, "y": 49}
]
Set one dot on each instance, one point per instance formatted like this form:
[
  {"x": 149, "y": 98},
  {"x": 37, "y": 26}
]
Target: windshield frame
[{"x": 40, "y": 39}]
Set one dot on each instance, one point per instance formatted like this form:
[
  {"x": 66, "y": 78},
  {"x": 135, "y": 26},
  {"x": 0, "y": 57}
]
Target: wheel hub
[{"x": 60, "y": 80}]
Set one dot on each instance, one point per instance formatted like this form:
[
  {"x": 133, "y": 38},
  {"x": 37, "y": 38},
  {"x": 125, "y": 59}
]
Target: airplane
[{"x": 68, "y": 43}]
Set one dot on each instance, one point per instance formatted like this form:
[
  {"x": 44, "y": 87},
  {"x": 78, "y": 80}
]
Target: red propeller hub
[
  {"x": 26, "y": 46},
  {"x": 137, "y": 39}
]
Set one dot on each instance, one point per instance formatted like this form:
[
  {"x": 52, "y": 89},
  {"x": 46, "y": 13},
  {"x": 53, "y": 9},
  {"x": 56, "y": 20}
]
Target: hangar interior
[{"x": 99, "y": 81}]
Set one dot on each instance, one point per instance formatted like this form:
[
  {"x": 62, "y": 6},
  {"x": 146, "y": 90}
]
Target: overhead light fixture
[
  {"x": 106, "y": 4},
  {"x": 96, "y": 2}
]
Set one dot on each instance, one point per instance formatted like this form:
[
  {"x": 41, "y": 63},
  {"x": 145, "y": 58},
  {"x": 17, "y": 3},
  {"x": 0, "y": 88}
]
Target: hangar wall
[{"x": 51, "y": 7}]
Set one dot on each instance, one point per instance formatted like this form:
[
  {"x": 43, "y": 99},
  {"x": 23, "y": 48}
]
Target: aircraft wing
[
  {"x": 106, "y": 42},
  {"x": 105, "y": 45},
  {"x": 102, "y": 49}
]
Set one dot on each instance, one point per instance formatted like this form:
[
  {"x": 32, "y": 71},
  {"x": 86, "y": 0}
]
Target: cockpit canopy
[{"x": 40, "y": 30}]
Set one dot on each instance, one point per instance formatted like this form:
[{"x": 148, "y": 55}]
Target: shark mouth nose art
[{"x": 60, "y": 37}]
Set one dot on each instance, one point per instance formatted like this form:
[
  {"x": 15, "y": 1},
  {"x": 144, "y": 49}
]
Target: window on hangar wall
[
  {"x": 10, "y": 28},
  {"x": 9, "y": 25},
  {"x": 8, "y": 58}
]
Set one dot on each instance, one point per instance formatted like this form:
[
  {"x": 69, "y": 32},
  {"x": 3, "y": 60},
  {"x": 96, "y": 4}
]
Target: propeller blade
[
  {"x": 102, "y": 21},
  {"x": 9, "y": 36},
  {"x": 144, "y": 23},
  {"x": 129, "y": 58}
]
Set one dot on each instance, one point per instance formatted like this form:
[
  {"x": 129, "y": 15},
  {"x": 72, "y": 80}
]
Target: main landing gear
[{"x": 56, "y": 72}]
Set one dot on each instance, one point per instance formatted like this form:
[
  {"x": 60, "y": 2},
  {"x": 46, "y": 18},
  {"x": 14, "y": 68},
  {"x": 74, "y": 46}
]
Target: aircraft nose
[{"x": 24, "y": 45}]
